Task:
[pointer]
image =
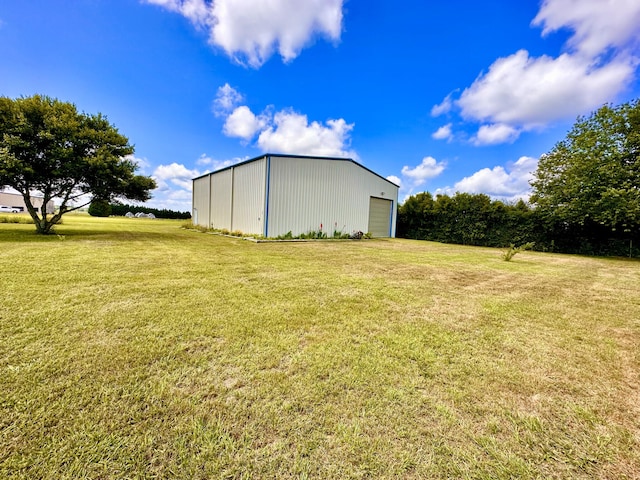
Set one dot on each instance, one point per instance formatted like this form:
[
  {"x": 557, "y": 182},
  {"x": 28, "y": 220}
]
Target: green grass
[{"x": 131, "y": 348}]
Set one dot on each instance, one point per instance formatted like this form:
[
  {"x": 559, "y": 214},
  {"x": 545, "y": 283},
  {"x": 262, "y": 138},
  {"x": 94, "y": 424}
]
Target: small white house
[{"x": 275, "y": 194}]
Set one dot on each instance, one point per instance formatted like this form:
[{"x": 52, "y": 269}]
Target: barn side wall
[
  {"x": 200, "y": 202},
  {"x": 305, "y": 193},
  {"x": 249, "y": 196},
  {"x": 15, "y": 200},
  {"x": 221, "y": 185}
]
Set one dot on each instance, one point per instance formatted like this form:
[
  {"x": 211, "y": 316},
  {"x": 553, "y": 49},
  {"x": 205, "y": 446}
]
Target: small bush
[
  {"x": 509, "y": 254},
  {"x": 99, "y": 208}
]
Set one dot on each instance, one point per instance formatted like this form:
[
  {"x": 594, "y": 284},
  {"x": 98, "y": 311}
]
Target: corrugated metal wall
[
  {"x": 221, "y": 188},
  {"x": 306, "y": 192},
  {"x": 200, "y": 213},
  {"x": 249, "y": 196},
  {"x": 15, "y": 200},
  {"x": 303, "y": 193}
]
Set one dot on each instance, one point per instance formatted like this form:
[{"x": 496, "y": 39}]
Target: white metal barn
[{"x": 273, "y": 194}]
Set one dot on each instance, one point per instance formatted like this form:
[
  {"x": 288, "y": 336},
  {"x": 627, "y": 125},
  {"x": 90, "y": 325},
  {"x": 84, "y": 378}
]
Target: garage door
[{"x": 380, "y": 217}]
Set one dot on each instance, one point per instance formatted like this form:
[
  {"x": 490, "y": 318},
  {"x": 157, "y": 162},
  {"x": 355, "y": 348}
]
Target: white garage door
[{"x": 380, "y": 217}]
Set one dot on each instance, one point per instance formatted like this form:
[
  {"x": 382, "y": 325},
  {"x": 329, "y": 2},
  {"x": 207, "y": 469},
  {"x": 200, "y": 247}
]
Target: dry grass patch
[{"x": 135, "y": 349}]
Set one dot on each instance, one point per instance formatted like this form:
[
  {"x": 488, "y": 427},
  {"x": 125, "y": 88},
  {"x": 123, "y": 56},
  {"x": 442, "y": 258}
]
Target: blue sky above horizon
[{"x": 437, "y": 96}]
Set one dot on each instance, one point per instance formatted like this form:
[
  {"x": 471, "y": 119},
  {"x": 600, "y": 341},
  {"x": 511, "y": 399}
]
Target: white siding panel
[
  {"x": 249, "y": 197},
  {"x": 306, "y": 192},
  {"x": 221, "y": 195},
  {"x": 200, "y": 213}
]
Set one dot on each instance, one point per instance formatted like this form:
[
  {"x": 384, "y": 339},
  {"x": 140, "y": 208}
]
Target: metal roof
[{"x": 282, "y": 155}]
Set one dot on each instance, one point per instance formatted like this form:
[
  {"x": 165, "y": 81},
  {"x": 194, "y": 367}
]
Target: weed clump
[{"x": 509, "y": 254}]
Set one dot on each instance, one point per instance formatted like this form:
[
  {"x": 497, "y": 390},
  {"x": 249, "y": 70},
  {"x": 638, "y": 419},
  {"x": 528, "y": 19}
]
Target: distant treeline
[
  {"x": 475, "y": 219},
  {"x": 121, "y": 210}
]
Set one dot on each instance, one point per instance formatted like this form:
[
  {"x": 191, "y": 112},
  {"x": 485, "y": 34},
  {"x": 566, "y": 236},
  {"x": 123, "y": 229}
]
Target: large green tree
[
  {"x": 49, "y": 148},
  {"x": 592, "y": 177}
]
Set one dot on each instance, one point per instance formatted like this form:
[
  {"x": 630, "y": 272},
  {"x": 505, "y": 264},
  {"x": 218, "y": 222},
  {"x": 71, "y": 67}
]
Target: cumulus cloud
[
  {"x": 523, "y": 91},
  {"x": 597, "y": 25},
  {"x": 288, "y": 131},
  {"x": 394, "y": 179},
  {"x": 427, "y": 169},
  {"x": 520, "y": 92},
  {"x": 444, "y": 107},
  {"x": 243, "y": 123},
  {"x": 174, "y": 174},
  {"x": 141, "y": 163},
  {"x": 227, "y": 98},
  {"x": 197, "y": 11},
  {"x": 443, "y": 133},
  {"x": 415, "y": 177},
  {"x": 510, "y": 183},
  {"x": 495, "y": 133},
  {"x": 291, "y": 132},
  {"x": 250, "y": 32}
]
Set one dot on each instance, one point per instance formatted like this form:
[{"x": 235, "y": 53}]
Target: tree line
[
  {"x": 585, "y": 197},
  {"x": 122, "y": 209},
  {"x": 476, "y": 219}
]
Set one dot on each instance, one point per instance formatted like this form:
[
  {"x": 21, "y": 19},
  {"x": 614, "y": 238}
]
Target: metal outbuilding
[
  {"x": 11, "y": 198},
  {"x": 274, "y": 194}
]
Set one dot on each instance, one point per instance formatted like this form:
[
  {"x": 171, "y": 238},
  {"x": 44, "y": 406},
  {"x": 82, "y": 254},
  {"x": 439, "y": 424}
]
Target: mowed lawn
[{"x": 133, "y": 349}]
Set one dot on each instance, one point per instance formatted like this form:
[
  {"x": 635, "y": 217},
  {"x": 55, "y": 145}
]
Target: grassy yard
[{"x": 131, "y": 348}]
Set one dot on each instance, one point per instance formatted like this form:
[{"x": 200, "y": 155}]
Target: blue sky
[{"x": 438, "y": 96}]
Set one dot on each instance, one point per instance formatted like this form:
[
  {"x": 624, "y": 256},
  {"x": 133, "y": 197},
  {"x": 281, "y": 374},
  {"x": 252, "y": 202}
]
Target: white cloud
[
  {"x": 495, "y": 133},
  {"x": 428, "y": 168},
  {"x": 287, "y": 131},
  {"x": 443, "y": 133},
  {"x": 444, "y": 107},
  {"x": 597, "y": 25},
  {"x": 250, "y": 32},
  {"x": 530, "y": 92},
  {"x": 291, "y": 132},
  {"x": 176, "y": 174},
  {"x": 415, "y": 177},
  {"x": 242, "y": 123},
  {"x": 141, "y": 163},
  {"x": 509, "y": 183},
  {"x": 197, "y": 11},
  {"x": 520, "y": 92},
  {"x": 227, "y": 98},
  {"x": 394, "y": 179}
]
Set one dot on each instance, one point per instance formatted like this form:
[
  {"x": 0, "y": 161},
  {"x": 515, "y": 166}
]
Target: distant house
[
  {"x": 14, "y": 199},
  {"x": 272, "y": 195}
]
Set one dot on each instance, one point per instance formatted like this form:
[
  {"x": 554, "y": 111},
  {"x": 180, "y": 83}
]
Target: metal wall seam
[
  {"x": 266, "y": 196},
  {"x": 233, "y": 170}
]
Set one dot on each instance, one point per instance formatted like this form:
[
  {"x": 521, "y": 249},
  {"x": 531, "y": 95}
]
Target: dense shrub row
[
  {"x": 475, "y": 219},
  {"x": 121, "y": 210}
]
